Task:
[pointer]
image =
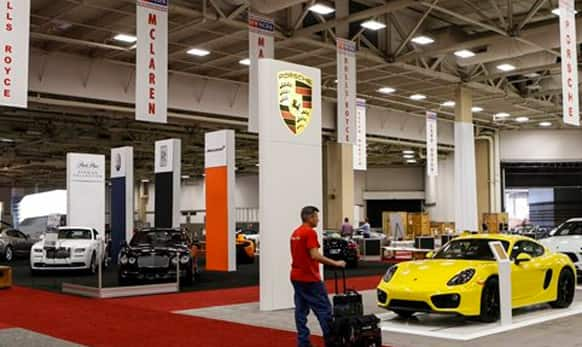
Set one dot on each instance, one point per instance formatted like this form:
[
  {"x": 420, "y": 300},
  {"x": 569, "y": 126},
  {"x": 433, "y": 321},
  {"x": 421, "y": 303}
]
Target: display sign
[
  {"x": 261, "y": 45},
  {"x": 87, "y": 169},
  {"x": 14, "y": 45},
  {"x": 432, "y": 165},
  {"x": 295, "y": 94},
  {"x": 164, "y": 156},
  {"x": 151, "y": 86},
  {"x": 570, "y": 97},
  {"x": 167, "y": 167},
  {"x": 346, "y": 90},
  {"x": 360, "y": 147}
]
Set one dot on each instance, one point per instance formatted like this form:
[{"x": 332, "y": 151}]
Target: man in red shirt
[{"x": 310, "y": 291}]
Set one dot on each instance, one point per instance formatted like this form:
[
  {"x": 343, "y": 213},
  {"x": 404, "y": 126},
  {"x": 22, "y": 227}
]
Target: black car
[
  {"x": 154, "y": 254},
  {"x": 337, "y": 248}
]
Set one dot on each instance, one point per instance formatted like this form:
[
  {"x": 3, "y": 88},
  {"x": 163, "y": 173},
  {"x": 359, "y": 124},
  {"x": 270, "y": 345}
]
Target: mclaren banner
[
  {"x": 360, "y": 147},
  {"x": 346, "y": 91},
  {"x": 14, "y": 40},
  {"x": 151, "y": 86},
  {"x": 432, "y": 166},
  {"x": 570, "y": 98},
  {"x": 261, "y": 45}
]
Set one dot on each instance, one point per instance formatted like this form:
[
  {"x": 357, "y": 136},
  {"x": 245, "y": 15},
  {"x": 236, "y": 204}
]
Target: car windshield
[
  {"x": 157, "y": 237},
  {"x": 569, "y": 229},
  {"x": 468, "y": 249},
  {"x": 74, "y": 234}
]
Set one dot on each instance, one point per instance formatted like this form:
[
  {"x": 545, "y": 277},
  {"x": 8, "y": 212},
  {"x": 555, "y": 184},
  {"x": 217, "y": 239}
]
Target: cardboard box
[
  {"x": 442, "y": 228},
  {"x": 419, "y": 224},
  {"x": 494, "y": 223},
  {"x": 5, "y": 277},
  {"x": 395, "y": 224}
]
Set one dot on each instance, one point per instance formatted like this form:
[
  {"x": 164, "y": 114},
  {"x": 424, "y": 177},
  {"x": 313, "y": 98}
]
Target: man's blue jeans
[{"x": 311, "y": 296}]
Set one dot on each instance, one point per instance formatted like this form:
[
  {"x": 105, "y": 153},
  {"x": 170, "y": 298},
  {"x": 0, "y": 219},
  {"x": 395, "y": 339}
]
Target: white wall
[
  {"x": 395, "y": 179},
  {"x": 541, "y": 145},
  {"x": 444, "y": 210}
]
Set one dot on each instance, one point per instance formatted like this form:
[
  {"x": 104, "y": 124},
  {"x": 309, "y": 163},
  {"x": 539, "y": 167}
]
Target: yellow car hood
[{"x": 433, "y": 273}]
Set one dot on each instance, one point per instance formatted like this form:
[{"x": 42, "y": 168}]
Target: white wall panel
[{"x": 541, "y": 145}]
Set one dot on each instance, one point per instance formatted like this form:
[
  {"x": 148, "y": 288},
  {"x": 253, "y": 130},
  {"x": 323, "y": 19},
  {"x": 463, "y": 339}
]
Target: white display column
[
  {"x": 168, "y": 159},
  {"x": 86, "y": 191},
  {"x": 290, "y": 176},
  {"x": 465, "y": 187},
  {"x": 122, "y": 187}
]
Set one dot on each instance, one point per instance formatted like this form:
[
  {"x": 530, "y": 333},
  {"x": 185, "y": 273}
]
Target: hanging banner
[
  {"x": 570, "y": 100},
  {"x": 346, "y": 90},
  {"x": 432, "y": 165},
  {"x": 360, "y": 147},
  {"x": 14, "y": 40},
  {"x": 261, "y": 45},
  {"x": 151, "y": 85}
]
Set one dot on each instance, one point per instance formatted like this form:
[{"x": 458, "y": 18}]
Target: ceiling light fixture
[
  {"x": 476, "y": 109},
  {"x": 408, "y": 156},
  {"x": 245, "y": 61},
  {"x": 322, "y": 9},
  {"x": 6, "y": 140},
  {"x": 125, "y": 38},
  {"x": 411, "y": 161},
  {"x": 407, "y": 151},
  {"x": 199, "y": 52},
  {"x": 423, "y": 40},
  {"x": 556, "y": 11},
  {"x": 522, "y": 119},
  {"x": 373, "y": 24},
  {"x": 464, "y": 53},
  {"x": 145, "y": 180},
  {"x": 417, "y": 97},
  {"x": 386, "y": 90},
  {"x": 449, "y": 103},
  {"x": 545, "y": 124},
  {"x": 532, "y": 75},
  {"x": 185, "y": 177},
  {"x": 501, "y": 115},
  {"x": 505, "y": 67}
]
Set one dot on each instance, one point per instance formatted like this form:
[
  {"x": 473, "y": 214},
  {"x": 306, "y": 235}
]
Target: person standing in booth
[{"x": 310, "y": 291}]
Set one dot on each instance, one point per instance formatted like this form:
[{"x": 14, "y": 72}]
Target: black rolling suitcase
[{"x": 346, "y": 304}]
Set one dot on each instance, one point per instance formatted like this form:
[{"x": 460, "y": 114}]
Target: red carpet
[
  {"x": 142, "y": 321},
  {"x": 4, "y": 326}
]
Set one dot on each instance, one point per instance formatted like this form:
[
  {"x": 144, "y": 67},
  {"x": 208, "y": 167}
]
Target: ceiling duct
[{"x": 270, "y": 6}]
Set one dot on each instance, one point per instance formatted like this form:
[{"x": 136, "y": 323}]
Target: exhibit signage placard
[
  {"x": 290, "y": 170},
  {"x": 122, "y": 195},
  {"x": 220, "y": 205},
  {"x": 432, "y": 165},
  {"x": 261, "y": 45},
  {"x": 151, "y": 86},
  {"x": 568, "y": 43},
  {"x": 14, "y": 45},
  {"x": 86, "y": 190},
  {"x": 346, "y": 90},
  {"x": 360, "y": 147},
  {"x": 167, "y": 166}
]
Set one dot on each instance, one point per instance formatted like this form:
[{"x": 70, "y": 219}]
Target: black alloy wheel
[
  {"x": 490, "y": 301},
  {"x": 566, "y": 289},
  {"x": 8, "y": 254}
]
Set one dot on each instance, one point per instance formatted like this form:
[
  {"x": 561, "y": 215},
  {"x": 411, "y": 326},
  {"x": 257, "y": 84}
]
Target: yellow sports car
[{"x": 462, "y": 278}]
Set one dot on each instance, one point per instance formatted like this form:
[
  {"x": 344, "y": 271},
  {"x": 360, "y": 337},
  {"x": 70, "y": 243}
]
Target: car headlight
[
  {"x": 37, "y": 250},
  {"x": 80, "y": 250},
  {"x": 462, "y": 277},
  {"x": 175, "y": 260},
  {"x": 132, "y": 260},
  {"x": 123, "y": 259},
  {"x": 185, "y": 259},
  {"x": 390, "y": 273}
]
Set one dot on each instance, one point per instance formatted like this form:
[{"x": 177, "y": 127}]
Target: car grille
[
  {"x": 153, "y": 261},
  {"x": 572, "y": 256},
  {"x": 409, "y": 305},
  {"x": 58, "y": 253},
  {"x": 446, "y": 300}
]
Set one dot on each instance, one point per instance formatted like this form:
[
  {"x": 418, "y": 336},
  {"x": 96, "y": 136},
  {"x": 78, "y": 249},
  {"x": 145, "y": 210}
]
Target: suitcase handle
[{"x": 343, "y": 279}]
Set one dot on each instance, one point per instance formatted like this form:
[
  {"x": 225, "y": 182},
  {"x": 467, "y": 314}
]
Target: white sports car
[
  {"x": 70, "y": 248},
  {"x": 567, "y": 239}
]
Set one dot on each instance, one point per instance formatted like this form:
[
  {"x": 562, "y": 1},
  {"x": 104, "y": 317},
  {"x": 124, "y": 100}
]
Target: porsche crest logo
[{"x": 295, "y": 90}]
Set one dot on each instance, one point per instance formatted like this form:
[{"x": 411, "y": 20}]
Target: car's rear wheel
[
  {"x": 404, "y": 314},
  {"x": 566, "y": 289},
  {"x": 490, "y": 301},
  {"x": 8, "y": 254}
]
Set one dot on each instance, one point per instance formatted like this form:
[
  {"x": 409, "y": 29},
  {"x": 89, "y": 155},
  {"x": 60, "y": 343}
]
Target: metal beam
[
  {"x": 532, "y": 12},
  {"x": 415, "y": 28}
]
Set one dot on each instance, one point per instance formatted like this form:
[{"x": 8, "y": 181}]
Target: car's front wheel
[
  {"x": 566, "y": 289},
  {"x": 490, "y": 301}
]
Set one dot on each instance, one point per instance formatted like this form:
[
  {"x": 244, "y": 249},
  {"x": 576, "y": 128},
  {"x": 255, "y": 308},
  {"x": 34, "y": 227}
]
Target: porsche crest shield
[{"x": 295, "y": 90}]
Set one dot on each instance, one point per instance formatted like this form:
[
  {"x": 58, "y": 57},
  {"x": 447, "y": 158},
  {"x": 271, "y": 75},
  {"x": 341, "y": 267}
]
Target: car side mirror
[
  {"x": 429, "y": 255},
  {"x": 522, "y": 258}
]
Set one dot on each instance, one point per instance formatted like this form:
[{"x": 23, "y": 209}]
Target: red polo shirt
[{"x": 303, "y": 268}]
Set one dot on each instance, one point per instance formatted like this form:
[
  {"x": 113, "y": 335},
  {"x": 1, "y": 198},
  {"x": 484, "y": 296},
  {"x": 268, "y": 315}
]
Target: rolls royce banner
[
  {"x": 570, "y": 98},
  {"x": 14, "y": 41},
  {"x": 346, "y": 90},
  {"x": 360, "y": 148},
  {"x": 432, "y": 166},
  {"x": 261, "y": 45},
  {"x": 151, "y": 86}
]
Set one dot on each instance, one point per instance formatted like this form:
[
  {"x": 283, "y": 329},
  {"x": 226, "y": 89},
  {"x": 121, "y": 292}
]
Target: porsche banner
[
  {"x": 570, "y": 99},
  {"x": 346, "y": 90},
  {"x": 261, "y": 45},
  {"x": 432, "y": 166},
  {"x": 360, "y": 150},
  {"x": 151, "y": 85},
  {"x": 14, "y": 41}
]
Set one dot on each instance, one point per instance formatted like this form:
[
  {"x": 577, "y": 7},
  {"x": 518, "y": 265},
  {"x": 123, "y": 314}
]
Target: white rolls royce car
[
  {"x": 70, "y": 248},
  {"x": 567, "y": 239}
]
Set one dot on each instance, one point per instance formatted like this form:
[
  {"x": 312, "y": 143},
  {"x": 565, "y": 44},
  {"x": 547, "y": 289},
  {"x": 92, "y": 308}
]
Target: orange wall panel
[{"x": 217, "y": 219}]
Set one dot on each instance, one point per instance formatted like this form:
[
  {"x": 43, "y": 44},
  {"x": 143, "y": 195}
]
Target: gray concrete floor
[{"x": 16, "y": 337}]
